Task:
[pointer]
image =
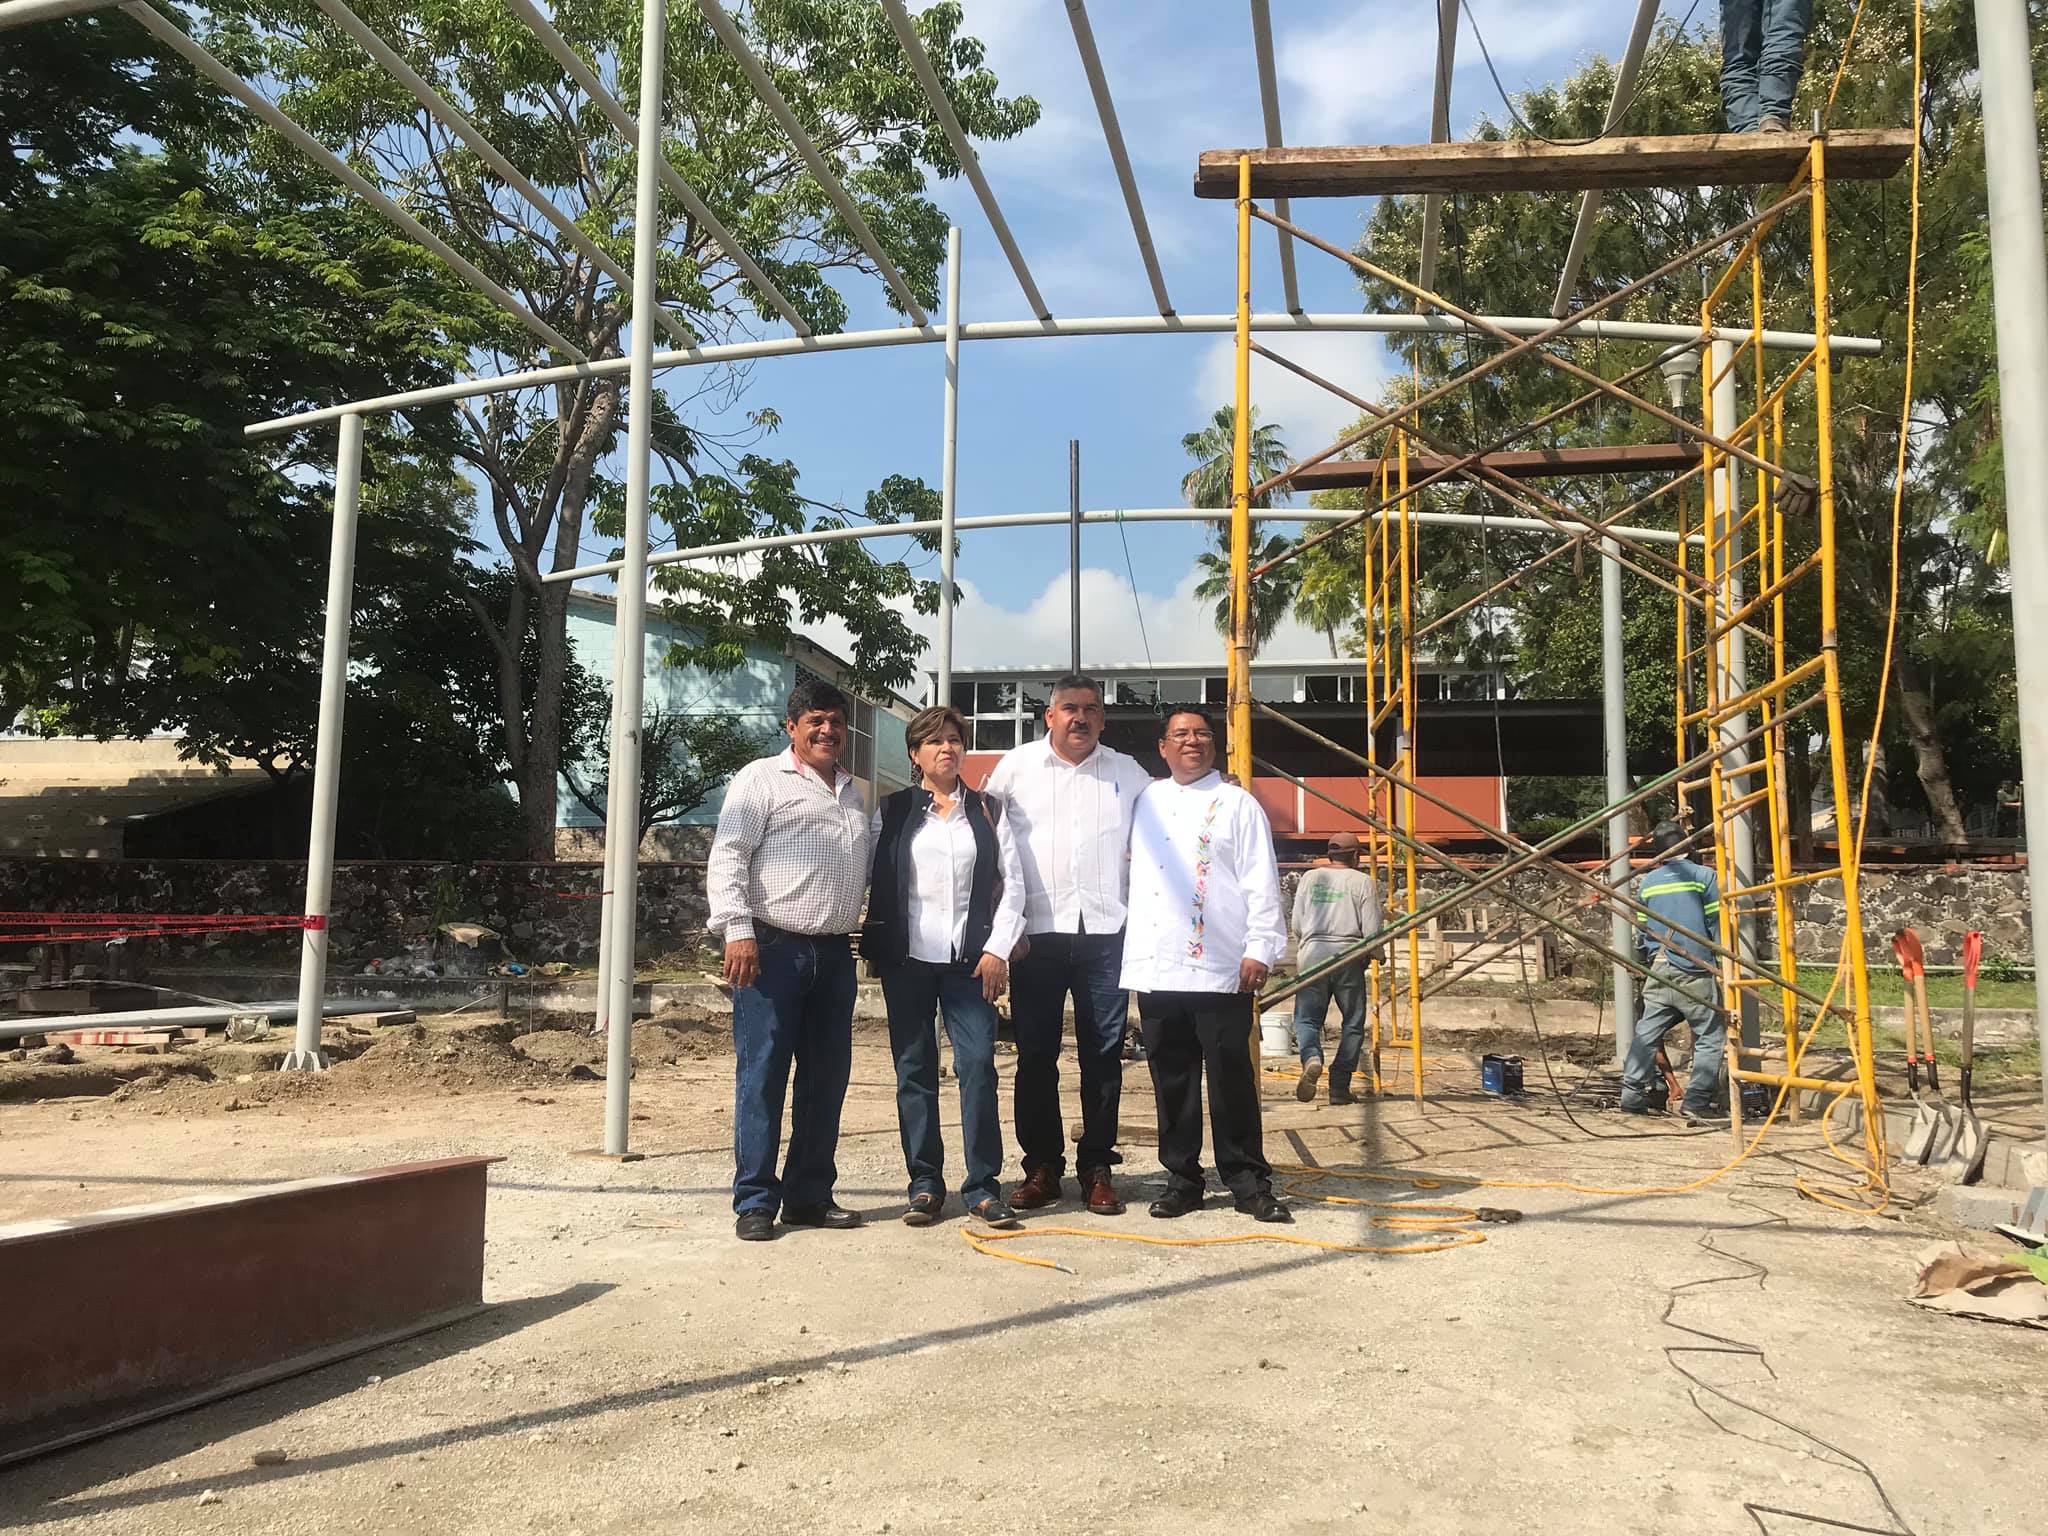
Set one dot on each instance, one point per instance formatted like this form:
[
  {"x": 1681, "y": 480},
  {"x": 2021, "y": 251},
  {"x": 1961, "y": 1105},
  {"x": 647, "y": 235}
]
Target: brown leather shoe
[
  {"x": 1101, "y": 1193},
  {"x": 1041, "y": 1187}
]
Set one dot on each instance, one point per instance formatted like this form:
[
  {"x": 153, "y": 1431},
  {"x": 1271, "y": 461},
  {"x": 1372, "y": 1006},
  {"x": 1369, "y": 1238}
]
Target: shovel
[
  {"x": 1928, "y": 1120},
  {"x": 1965, "y": 1157}
]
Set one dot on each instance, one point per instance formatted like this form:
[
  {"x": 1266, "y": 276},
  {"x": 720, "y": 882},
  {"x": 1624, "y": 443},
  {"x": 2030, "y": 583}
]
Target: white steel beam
[
  {"x": 450, "y": 117},
  {"x": 963, "y": 149},
  {"x": 23, "y": 13},
  {"x": 624, "y": 125},
  {"x": 738, "y": 547},
  {"x": 1026, "y": 330},
  {"x": 174, "y": 37},
  {"x": 1120, "y": 157},
  {"x": 1269, "y": 105},
  {"x": 772, "y": 99},
  {"x": 1589, "y": 203},
  {"x": 1439, "y": 133}
]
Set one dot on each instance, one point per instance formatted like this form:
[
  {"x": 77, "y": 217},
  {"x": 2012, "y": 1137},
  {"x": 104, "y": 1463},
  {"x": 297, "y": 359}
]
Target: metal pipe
[
  {"x": 1439, "y": 133},
  {"x": 23, "y": 13},
  {"x": 193, "y": 1017},
  {"x": 1050, "y": 519},
  {"x": 1269, "y": 107},
  {"x": 622, "y": 830},
  {"x": 1074, "y": 554},
  {"x": 446, "y": 113},
  {"x": 821, "y": 171},
  {"x": 1727, "y": 492},
  {"x": 963, "y": 150},
  {"x": 306, "y": 1055},
  {"x": 2019, "y": 280},
  {"x": 174, "y": 37},
  {"x": 1614, "y": 727},
  {"x": 1119, "y": 156},
  {"x": 1617, "y": 108},
  {"x": 1026, "y": 330},
  {"x": 949, "y": 464},
  {"x": 623, "y": 125}
]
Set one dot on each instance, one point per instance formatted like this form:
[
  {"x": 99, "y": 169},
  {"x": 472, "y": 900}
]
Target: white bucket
[{"x": 1276, "y": 1034}]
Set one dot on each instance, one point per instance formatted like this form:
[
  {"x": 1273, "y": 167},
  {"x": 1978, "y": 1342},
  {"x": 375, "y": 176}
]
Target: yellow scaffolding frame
[{"x": 1713, "y": 626}]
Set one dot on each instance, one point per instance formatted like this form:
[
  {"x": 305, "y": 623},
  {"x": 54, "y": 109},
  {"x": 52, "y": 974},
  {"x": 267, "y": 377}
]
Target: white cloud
[{"x": 1309, "y": 416}]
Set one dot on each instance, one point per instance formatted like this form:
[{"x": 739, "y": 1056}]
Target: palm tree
[
  {"x": 1271, "y": 593},
  {"x": 1328, "y": 592},
  {"x": 1208, "y": 483}
]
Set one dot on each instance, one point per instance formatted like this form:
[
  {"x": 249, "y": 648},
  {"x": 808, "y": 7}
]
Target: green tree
[
  {"x": 544, "y": 459},
  {"x": 159, "y": 570},
  {"x": 685, "y": 759},
  {"x": 1208, "y": 484}
]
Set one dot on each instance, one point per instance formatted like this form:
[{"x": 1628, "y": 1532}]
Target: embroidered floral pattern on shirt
[{"x": 1204, "y": 848}]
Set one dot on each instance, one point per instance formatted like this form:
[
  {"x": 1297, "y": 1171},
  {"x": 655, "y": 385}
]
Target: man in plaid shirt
[{"x": 788, "y": 869}]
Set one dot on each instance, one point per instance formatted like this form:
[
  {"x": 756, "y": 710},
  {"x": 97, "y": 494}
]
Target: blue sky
[{"x": 1182, "y": 72}]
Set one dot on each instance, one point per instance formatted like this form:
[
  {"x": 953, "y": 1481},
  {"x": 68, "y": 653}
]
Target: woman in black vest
[{"x": 944, "y": 913}]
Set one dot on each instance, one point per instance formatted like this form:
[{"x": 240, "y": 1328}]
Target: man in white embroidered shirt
[
  {"x": 788, "y": 869},
  {"x": 1069, "y": 801},
  {"x": 1206, "y": 928}
]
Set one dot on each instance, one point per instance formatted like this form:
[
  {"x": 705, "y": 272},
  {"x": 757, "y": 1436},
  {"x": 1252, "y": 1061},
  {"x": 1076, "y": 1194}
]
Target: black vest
[{"x": 885, "y": 936}]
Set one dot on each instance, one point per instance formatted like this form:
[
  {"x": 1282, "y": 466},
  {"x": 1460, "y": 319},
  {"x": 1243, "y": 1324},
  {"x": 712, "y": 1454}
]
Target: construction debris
[{"x": 1952, "y": 1279}]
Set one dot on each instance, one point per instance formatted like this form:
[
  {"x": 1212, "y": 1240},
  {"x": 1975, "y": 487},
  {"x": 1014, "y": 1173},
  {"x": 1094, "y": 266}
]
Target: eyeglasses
[{"x": 1186, "y": 736}]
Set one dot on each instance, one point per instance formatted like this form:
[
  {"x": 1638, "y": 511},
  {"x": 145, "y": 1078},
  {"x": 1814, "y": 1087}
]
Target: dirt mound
[{"x": 657, "y": 1042}]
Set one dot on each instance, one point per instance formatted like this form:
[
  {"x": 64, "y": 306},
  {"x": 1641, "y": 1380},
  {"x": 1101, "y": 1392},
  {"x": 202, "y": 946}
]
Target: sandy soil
[{"x": 1610, "y": 1363}]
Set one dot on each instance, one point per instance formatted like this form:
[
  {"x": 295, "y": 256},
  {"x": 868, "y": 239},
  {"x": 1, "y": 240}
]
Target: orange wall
[{"x": 1478, "y": 797}]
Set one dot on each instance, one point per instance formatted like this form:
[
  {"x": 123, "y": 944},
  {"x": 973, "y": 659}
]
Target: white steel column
[
  {"x": 1727, "y": 492},
  {"x": 1614, "y": 727},
  {"x": 2019, "y": 285},
  {"x": 622, "y": 830},
  {"x": 305, "y": 1054},
  {"x": 949, "y": 463}
]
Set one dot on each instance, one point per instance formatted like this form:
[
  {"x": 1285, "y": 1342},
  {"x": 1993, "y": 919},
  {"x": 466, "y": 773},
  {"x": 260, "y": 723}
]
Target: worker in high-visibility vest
[{"x": 1684, "y": 907}]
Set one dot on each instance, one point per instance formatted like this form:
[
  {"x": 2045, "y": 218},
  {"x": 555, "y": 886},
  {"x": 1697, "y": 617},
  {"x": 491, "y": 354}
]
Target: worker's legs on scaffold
[
  {"x": 1782, "y": 57},
  {"x": 1742, "y": 44}
]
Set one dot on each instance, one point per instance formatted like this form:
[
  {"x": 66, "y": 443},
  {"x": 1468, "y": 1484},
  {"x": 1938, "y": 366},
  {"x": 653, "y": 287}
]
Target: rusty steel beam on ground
[
  {"x": 180, "y": 1303},
  {"x": 1516, "y": 464},
  {"x": 1531, "y": 165}
]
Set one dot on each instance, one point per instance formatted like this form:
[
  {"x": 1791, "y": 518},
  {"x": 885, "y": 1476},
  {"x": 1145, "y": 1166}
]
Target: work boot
[
  {"x": 1773, "y": 124},
  {"x": 1311, "y": 1074},
  {"x": 1340, "y": 1093}
]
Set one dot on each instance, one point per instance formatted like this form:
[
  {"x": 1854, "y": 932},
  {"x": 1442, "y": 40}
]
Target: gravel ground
[{"x": 642, "y": 1371}]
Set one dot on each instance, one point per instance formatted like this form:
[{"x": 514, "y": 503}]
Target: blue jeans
[
  {"x": 1087, "y": 965},
  {"x": 799, "y": 1009},
  {"x": 1763, "y": 49},
  {"x": 915, "y": 990},
  {"x": 1672, "y": 997},
  {"x": 1312, "y": 1006}
]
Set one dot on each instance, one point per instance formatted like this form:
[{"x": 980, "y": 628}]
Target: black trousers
[{"x": 1185, "y": 1032}]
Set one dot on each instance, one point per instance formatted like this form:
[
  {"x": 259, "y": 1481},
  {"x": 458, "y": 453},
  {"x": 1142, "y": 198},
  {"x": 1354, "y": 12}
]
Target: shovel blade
[
  {"x": 1920, "y": 1139},
  {"x": 1964, "y": 1159}
]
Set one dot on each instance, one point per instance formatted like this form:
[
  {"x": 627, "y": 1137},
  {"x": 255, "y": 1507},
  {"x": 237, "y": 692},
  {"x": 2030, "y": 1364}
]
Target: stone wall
[{"x": 546, "y": 912}]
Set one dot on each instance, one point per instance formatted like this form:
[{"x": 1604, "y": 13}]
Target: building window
[
  {"x": 1216, "y": 690},
  {"x": 1276, "y": 687},
  {"x": 1180, "y": 690},
  {"x": 1138, "y": 690},
  {"x": 995, "y": 735},
  {"x": 861, "y": 760}
]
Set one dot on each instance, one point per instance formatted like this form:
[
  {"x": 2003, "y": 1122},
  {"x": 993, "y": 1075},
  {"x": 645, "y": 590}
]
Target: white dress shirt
[
  {"x": 790, "y": 851},
  {"x": 1072, "y": 824},
  {"x": 1205, "y": 888},
  {"x": 941, "y": 886}
]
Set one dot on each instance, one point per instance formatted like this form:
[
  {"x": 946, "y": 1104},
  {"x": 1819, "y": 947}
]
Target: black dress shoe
[
  {"x": 836, "y": 1218},
  {"x": 1177, "y": 1201},
  {"x": 1265, "y": 1206},
  {"x": 755, "y": 1227}
]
